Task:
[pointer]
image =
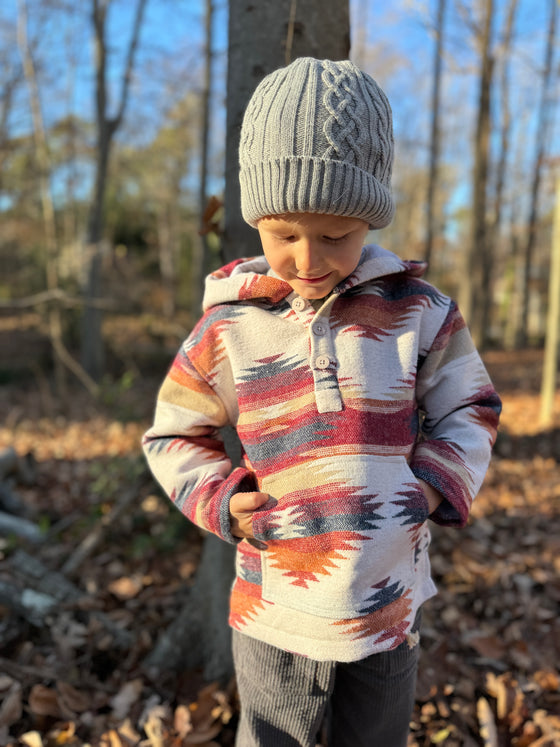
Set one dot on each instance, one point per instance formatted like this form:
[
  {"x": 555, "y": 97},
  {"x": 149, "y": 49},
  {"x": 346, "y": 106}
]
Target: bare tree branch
[{"x": 127, "y": 77}]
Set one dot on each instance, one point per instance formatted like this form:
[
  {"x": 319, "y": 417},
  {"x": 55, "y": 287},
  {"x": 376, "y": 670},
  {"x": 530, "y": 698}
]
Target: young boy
[{"x": 362, "y": 408}]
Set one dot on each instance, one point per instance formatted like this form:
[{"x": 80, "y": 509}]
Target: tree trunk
[
  {"x": 199, "y": 637},
  {"x": 166, "y": 255},
  {"x": 93, "y": 356},
  {"x": 92, "y": 341},
  {"x": 263, "y": 37},
  {"x": 546, "y": 107},
  {"x": 435, "y": 135},
  {"x": 200, "y": 247},
  {"x": 505, "y": 131},
  {"x": 477, "y": 277},
  {"x": 552, "y": 346}
]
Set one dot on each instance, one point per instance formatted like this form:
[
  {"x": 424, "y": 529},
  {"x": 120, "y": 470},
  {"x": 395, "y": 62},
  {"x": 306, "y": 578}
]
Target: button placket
[
  {"x": 322, "y": 350},
  {"x": 325, "y": 374},
  {"x": 322, "y": 357}
]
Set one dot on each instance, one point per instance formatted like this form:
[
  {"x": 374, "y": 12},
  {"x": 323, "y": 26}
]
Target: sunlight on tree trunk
[{"x": 552, "y": 346}]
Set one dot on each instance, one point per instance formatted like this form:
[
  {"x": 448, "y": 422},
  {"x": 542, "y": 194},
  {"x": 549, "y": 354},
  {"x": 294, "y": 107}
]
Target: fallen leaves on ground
[{"x": 491, "y": 638}]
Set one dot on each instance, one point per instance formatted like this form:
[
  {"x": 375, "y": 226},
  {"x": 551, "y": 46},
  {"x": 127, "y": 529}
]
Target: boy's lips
[{"x": 317, "y": 279}]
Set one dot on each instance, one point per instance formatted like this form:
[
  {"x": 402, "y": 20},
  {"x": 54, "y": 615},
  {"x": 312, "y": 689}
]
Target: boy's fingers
[
  {"x": 247, "y": 501},
  {"x": 242, "y": 506}
]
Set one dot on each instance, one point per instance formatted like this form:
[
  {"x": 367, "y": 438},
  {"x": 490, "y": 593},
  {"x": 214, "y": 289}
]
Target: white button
[
  {"x": 298, "y": 304},
  {"x": 319, "y": 329},
  {"x": 322, "y": 361}
]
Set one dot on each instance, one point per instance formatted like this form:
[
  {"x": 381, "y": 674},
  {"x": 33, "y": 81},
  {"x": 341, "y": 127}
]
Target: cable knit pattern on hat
[
  {"x": 343, "y": 130},
  {"x": 317, "y": 137}
]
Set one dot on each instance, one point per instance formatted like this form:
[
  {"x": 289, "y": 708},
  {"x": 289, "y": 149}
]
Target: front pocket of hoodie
[{"x": 347, "y": 547}]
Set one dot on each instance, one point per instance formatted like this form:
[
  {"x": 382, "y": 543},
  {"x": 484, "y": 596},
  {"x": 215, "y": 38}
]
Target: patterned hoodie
[{"x": 340, "y": 407}]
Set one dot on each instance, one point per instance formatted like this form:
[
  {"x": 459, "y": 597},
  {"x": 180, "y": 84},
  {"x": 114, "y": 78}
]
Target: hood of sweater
[{"x": 253, "y": 280}]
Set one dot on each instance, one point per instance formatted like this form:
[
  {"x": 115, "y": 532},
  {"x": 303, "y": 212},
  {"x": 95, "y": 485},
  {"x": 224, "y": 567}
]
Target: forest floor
[{"x": 77, "y": 620}]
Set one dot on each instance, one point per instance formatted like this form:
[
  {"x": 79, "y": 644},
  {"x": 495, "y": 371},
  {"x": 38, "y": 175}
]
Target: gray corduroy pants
[{"x": 285, "y": 697}]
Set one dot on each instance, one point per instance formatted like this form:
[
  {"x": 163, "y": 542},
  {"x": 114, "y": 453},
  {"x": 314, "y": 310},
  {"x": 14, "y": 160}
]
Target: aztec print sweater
[{"x": 339, "y": 410}]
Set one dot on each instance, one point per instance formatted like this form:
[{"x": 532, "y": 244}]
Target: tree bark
[{"x": 263, "y": 37}]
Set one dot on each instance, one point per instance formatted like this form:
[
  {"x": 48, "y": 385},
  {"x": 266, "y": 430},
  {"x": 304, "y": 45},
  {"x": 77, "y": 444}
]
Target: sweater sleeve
[
  {"x": 461, "y": 411},
  {"x": 186, "y": 452}
]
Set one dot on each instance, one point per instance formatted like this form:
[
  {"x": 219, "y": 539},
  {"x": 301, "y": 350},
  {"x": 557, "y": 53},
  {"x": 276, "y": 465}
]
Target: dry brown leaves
[
  {"x": 491, "y": 638},
  {"x": 61, "y": 714}
]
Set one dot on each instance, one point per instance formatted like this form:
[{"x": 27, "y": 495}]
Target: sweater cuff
[{"x": 453, "y": 511}]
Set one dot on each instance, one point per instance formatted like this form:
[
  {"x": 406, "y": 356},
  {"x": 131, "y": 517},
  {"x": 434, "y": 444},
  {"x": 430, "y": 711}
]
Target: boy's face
[{"x": 312, "y": 252}]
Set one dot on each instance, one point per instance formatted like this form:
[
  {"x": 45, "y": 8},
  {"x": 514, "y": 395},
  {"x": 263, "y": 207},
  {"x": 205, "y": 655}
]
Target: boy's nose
[{"x": 307, "y": 260}]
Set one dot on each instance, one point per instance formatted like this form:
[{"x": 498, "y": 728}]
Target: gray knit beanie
[{"x": 317, "y": 137}]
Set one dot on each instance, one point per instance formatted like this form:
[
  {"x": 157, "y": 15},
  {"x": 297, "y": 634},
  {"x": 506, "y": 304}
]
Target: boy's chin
[{"x": 314, "y": 296}]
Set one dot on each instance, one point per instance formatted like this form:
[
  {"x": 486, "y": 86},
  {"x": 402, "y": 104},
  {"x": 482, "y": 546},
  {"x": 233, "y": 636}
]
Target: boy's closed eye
[
  {"x": 329, "y": 239},
  {"x": 335, "y": 239}
]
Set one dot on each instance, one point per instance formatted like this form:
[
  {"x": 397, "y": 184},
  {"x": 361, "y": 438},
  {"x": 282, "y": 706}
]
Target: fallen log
[
  {"x": 34, "y": 574},
  {"x": 11, "y": 502},
  {"x": 33, "y": 606},
  {"x": 20, "y": 527},
  {"x": 41, "y": 593}
]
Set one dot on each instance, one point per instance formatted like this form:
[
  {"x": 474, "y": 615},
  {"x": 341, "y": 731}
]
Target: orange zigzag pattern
[{"x": 306, "y": 558}]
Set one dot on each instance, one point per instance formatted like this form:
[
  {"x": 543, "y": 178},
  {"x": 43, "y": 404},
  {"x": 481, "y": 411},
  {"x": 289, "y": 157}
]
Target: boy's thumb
[{"x": 264, "y": 498}]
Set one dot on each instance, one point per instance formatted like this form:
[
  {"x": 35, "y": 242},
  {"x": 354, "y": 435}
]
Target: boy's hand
[
  {"x": 242, "y": 506},
  {"x": 432, "y": 496}
]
